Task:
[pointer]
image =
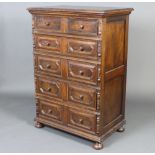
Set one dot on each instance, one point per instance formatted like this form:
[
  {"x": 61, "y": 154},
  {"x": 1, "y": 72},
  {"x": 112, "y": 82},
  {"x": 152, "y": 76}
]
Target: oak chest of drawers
[{"x": 80, "y": 63}]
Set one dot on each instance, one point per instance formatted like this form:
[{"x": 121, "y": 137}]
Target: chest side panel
[{"x": 114, "y": 62}]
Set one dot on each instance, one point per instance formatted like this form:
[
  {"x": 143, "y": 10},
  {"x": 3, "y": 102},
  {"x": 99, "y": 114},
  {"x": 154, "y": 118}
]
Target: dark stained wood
[
  {"x": 115, "y": 72},
  {"x": 79, "y": 95},
  {"x": 49, "y": 87},
  {"x": 80, "y": 66},
  {"x": 83, "y": 26},
  {"x": 82, "y": 48},
  {"x": 50, "y": 111},
  {"x": 47, "y": 43},
  {"x": 48, "y": 65},
  {"x": 125, "y": 63},
  {"x": 115, "y": 36},
  {"x": 47, "y": 23},
  {"x": 82, "y": 71},
  {"x": 81, "y": 121},
  {"x": 81, "y": 11},
  {"x": 113, "y": 99}
]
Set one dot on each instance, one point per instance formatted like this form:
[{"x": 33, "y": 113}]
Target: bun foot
[
  {"x": 38, "y": 125},
  {"x": 122, "y": 129},
  {"x": 98, "y": 146}
]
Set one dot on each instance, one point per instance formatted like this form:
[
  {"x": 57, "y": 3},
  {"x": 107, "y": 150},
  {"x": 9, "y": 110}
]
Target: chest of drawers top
[
  {"x": 85, "y": 21},
  {"x": 81, "y": 10}
]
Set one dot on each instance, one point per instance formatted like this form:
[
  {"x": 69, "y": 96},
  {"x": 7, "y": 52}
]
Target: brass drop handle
[
  {"x": 81, "y": 48},
  {"x": 41, "y": 67},
  {"x": 81, "y": 97},
  {"x": 81, "y": 72},
  {"x": 48, "y": 44},
  {"x": 82, "y": 27},
  {"x": 43, "y": 112},
  {"x": 47, "y": 23},
  {"x": 49, "y": 111},
  {"x": 48, "y": 90},
  {"x": 42, "y": 90},
  {"x": 48, "y": 66},
  {"x": 45, "y": 43},
  {"x": 81, "y": 121},
  {"x": 71, "y": 49},
  {"x": 57, "y": 42}
]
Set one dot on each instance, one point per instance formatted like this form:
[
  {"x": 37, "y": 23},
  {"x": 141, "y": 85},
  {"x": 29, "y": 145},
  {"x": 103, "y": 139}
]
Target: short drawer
[
  {"x": 78, "y": 95},
  {"x": 82, "y": 48},
  {"x": 50, "y": 43},
  {"x": 47, "y": 65},
  {"x": 80, "y": 71},
  {"x": 48, "y": 23},
  {"x": 51, "y": 87},
  {"x": 81, "y": 120},
  {"x": 50, "y": 110},
  {"x": 83, "y": 26}
]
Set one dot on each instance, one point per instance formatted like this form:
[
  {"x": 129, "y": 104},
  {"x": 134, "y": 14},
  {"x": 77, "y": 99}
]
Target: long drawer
[
  {"x": 70, "y": 93},
  {"x": 71, "y": 25},
  {"x": 77, "y": 119},
  {"x": 67, "y": 69},
  {"x": 82, "y": 48}
]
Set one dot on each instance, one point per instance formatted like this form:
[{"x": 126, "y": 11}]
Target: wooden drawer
[
  {"x": 80, "y": 71},
  {"x": 50, "y": 87},
  {"x": 46, "y": 42},
  {"x": 50, "y": 111},
  {"x": 48, "y": 23},
  {"x": 47, "y": 65},
  {"x": 83, "y": 26},
  {"x": 82, "y": 48},
  {"x": 82, "y": 95},
  {"x": 81, "y": 120}
]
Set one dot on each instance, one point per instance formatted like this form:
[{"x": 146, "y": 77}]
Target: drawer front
[
  {"x": 49, "y": 65},
  {"x": 82, "y": 72},
  {"x": 48, "y": 43},
  {"x": 50, "y": 111},
  {"x": 83, "y": 121},
  {"x": 82, "y": 95},
  {"x": 49, "y": 87},
  {"x": 83, "y": 26},
  {"x": 82, "y": 48},
  {"x": 48, "y": 23}
]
